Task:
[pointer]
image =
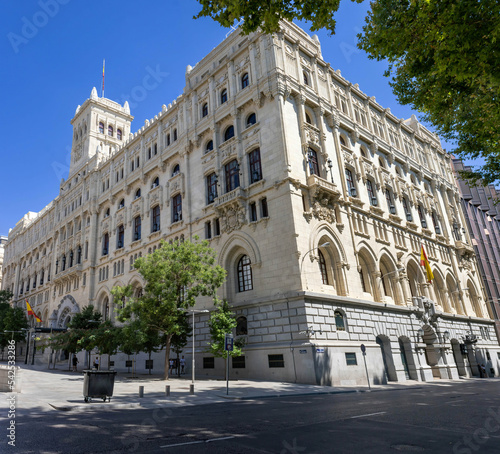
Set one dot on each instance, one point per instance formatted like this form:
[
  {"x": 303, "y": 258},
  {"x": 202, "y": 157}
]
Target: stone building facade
[
  {"x": 316, "y": 198},
  {"x": 3, "y": 240}
]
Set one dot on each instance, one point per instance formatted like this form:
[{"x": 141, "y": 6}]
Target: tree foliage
[
  {"x": 175, "y": 274},
  {"x": 444, "y": 59},
  {"x": 267, "y": 14},
  {"x": 180, "y": 339},
  {"x": 12, "y": 320},
  {"x": 443, "y": 55},
  {"x": 223, "y": 321}
]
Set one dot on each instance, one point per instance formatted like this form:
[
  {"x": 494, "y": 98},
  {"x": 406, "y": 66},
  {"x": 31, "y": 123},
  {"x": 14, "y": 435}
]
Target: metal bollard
[
  {"x": 141, "y": 391},
  {"x": 191, "y": 389},
  {"x": 167, "y": 390}
]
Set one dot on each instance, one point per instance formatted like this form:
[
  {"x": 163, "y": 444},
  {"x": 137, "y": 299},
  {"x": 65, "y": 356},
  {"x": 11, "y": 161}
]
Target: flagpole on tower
[{"x": 103, "y": 64}]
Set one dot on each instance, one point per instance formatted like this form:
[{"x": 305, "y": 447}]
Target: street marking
[
  {"x": 369, "y": 414},
  {"x": 196, "y": 442}
]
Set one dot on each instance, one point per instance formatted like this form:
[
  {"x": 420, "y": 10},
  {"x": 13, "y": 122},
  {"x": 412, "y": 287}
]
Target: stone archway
[
  {"x": 65, "y": 311},
  {"x": 386, "y": 350}
]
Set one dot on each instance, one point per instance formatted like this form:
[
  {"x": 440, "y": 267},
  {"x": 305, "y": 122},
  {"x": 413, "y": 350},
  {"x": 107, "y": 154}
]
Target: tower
[{"x": 99, "y": 125}]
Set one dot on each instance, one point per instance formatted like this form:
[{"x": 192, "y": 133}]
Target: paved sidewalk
[{"x": 44, "y": 389}]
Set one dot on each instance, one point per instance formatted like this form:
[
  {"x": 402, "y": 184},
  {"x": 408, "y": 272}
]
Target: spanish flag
[
  {"x": 32, "y": 312},
  {"x": 425, "y": 262}
]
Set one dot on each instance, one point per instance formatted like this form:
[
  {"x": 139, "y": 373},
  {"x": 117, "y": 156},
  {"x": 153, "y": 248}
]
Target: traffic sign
[
  {"x": 363, "y": 349},
  {"x": 228, "y": 343}
]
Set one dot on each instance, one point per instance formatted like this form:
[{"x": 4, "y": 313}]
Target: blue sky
[{"x": 52, "y": 52}]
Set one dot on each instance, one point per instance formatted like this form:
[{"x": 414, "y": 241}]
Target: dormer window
[
  {"x": 119, "y": 134},
  {"x": 101, "y": 127},
  {"x": 110, "y": 131}
]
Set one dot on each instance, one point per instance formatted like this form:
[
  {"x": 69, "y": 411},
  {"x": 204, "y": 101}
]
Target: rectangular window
[
  {"x": 238, "y": 362},
  {"x": 208, "y": 230},
  {"x": 128, "y": 363},
  {"x": 313, "y": 162},
  {"x": 217, "y": 227},
  {"x": 211, "y": 188},
  {"x": 177, "y": 208},
  {"x": 137, "y": 228},
  {"x": 371, "y": 193},
  {"x": 263, "y": 208},
  {"x": 155, "y": 218},
  {"x": 253, "y": 212},
  {"x": 232, "y": 172},
  {"x": 149, "y": 364},
  {"x": 350, "y": 359},
  {"x": 255, "y": 166},
  {"x": 208, "y": 362},
  {"x": 276, "y": 361}
]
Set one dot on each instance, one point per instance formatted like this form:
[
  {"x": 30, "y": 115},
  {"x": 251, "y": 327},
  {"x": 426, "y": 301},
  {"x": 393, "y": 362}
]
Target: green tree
[
  {"x": 223, "y": 321},
  {"x": 106, "y": 338},
  {"x": 180, "y": 339},
  {"x": 443, "y": 55},
  {"x": 175, "y": 275},
  {"x": 12, "y": 321}
]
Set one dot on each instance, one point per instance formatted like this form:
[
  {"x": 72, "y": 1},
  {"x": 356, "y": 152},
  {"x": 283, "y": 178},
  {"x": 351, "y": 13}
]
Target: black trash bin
[{"x": 98, "y": 384}]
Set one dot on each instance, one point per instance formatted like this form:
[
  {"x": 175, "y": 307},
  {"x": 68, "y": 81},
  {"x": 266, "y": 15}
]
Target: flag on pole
[
  {"x": 103, "y": 63},
  {"x": 32, "y": 312},
  {"x": 425, "y": 262}
]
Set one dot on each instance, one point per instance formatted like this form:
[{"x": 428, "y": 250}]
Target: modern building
[
  {"x": 316, "y": 198},
  {"x": 482, "y": 218}
]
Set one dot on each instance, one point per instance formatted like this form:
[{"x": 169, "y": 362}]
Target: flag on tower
[
  {"x": 32, "y": 312},
  {"x": 103, "y": 63},
  {"x": 425, "y": 262}
]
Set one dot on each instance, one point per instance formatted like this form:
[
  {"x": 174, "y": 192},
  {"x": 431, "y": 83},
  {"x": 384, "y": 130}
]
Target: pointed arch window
[
  {"x": 322, "y": 267},
  {"x": 244, "y": 274}
]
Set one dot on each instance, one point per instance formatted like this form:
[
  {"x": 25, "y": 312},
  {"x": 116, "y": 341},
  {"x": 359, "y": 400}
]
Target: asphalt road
[{"x": 458, "y": 418}]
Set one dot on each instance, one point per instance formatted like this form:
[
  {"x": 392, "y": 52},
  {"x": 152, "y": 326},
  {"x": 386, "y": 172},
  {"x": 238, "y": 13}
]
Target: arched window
[
  {"x": 110, "y": 131},
  {"x": 229, "y": 133},
  {"x": 119, "y": 134},
  {"x": 350, "y": 183},
  {"x": 223, "y": 96},
  {"x": 252, "y": 119},
  {"x": 363, "y": 152},
  {"x": 138, "y": 194},
  {"x": 437, "y": 229},
  {"x": 255, "y": 166},
  {"x": 423, "y": 222},
  {"x": 211, "y": 188},
  {"x": 381, "y": 163},
  {"x": 70, "y": 260},
  {"x": 79, "y": 255},
  {"x": 308, "y": 119},
  {"x": 312, "y": 158},
  {"x": 244, "y": 81},
  {"x": 204, "y": 110},
  {"x": 241, "y": 326},
  {"x": 101, "y": 127},
  {"x": 176, "y": 170},
  {"x": 342, "y": 141},
  {"x": 105, "y": 244},
  {"x": 120, "y": 233},
  {"x": 106, "y": 214},
  {"x": 322, "y": 267},
  {"x": 305, "y": 78},
  {"x": 409, "y": 217},
  {"x": 168, "y": 140},
  {"x": 175, "y": 135},
  {"x": 156, "y": 183},
  {"x": 232, "y": 173},
  {"x": 121, "y": 204},
  {"x": 339, "y": 321},
  {"x": 244, "y": 274},
  {"x": 210, "y": 146}
]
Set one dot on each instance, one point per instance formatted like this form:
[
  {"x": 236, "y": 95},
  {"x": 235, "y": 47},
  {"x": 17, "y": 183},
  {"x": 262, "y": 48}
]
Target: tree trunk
[{"x": 167, "y": 358}]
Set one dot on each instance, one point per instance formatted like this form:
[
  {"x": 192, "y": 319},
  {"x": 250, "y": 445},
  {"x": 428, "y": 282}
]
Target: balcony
[
  {"x": 74, "y": 271},
  {"x": 236, "y": 195},
  {"x": 321, "y": 188}
]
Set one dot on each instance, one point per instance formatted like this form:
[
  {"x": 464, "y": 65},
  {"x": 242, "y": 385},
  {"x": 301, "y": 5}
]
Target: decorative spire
[{"x": 93, "y": 94}]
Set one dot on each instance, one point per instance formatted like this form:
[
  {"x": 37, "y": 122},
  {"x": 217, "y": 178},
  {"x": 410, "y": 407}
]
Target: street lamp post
[
  {"x": 193, "y": 311},
  {"x": 389, "y": 273}
]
